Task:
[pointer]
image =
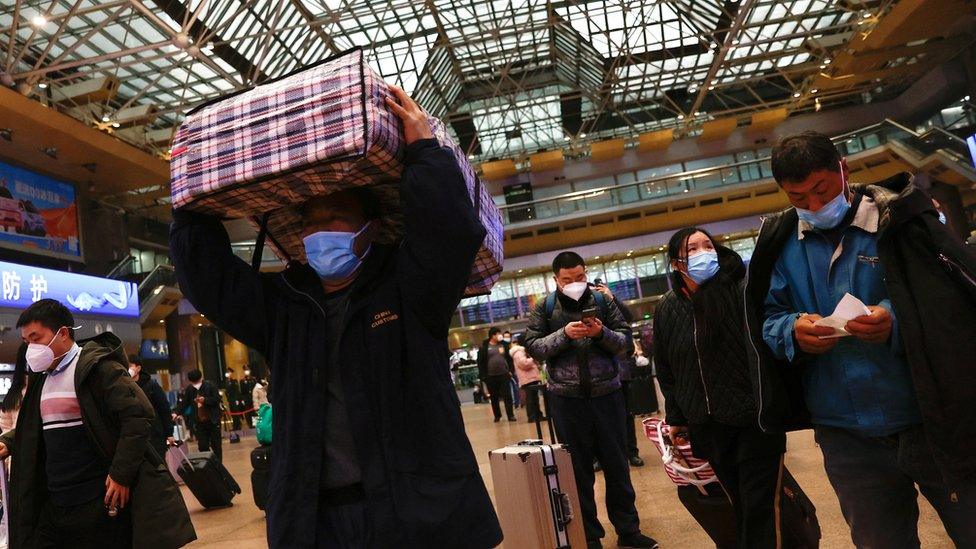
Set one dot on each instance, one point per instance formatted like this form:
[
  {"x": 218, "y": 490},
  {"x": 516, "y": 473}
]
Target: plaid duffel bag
[{"x": 261, "y": 153}]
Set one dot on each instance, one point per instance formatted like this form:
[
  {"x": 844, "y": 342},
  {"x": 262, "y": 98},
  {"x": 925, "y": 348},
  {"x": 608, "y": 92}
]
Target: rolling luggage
[
  {"x": 703, "y": 496},
  {"x": 174, "y": 458},
  {"x": 261, "y": 462},
  {"x": 262, "y": 152},
  {"x": 210, "y": 482},
  {"x": 536, "y": 497}
]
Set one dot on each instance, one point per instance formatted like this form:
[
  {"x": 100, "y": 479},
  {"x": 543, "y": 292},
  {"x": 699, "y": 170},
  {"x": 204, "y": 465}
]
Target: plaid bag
[{"x": 267, "y": 150}]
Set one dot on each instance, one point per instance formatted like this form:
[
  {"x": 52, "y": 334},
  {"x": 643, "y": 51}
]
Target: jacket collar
[{"x": 866, "y": 218}]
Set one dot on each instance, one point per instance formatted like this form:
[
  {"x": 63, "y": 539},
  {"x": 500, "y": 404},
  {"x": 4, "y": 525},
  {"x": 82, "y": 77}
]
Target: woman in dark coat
[{"x": 702, "y": 366}]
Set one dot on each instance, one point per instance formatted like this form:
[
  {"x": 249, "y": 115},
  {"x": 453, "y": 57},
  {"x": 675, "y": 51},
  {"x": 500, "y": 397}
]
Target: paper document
[{"x": 849, "y": 308}]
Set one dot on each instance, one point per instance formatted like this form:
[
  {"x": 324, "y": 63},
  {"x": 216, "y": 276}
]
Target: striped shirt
[{"x": 75, "y": 470}]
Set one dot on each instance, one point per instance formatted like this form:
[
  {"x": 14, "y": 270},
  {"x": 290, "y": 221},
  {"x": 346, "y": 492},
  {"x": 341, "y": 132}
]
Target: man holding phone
[{"x": 579, "y": 332}]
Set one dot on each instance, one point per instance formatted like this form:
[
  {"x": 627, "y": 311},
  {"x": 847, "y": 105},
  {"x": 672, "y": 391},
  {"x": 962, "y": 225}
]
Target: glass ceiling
[{"x": 511, "y": 77}]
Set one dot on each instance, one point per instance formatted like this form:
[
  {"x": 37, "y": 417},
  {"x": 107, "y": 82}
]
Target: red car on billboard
[{"x": 11, "y": 214}]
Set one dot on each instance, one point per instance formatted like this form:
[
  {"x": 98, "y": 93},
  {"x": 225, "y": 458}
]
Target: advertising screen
[
  {"x": 971, "y": 141},
  {"x": 37, "y": 213},
  {"x": 21, "y": 285}
]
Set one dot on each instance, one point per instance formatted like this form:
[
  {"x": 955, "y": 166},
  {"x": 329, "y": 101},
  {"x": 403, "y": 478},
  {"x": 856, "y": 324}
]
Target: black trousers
[
  {"x": 85, "y": 526},
  {"x": 594, "y": 428},
  {"x": 749, "y": 465},
  {"x": 629, "y": 424},
  {"x": 208, "y": 439},
  {"x": 501, "y": 387},
  {"x": 532, "y": 401}
]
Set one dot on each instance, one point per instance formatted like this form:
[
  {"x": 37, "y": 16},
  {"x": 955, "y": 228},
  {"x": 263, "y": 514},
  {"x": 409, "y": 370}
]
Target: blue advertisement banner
[
  {"x": 82, "y": 294},
  {"x": 37, "y": 213}
]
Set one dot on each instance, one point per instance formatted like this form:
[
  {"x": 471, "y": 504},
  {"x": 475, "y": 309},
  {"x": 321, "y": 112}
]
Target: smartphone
[{"x": 588, "y": 314}]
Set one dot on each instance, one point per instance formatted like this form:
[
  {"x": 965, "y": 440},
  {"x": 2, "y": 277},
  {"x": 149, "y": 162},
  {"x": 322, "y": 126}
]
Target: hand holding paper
[{"x": 847, "y": 310}]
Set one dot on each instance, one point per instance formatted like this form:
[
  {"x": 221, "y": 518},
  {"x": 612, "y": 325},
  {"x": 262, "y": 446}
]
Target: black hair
[
  {"x": 567, "y": 260},
  {"x": 194, "y": 376},
  {"x": 795, "y": 157},
  {"x": 494, "y": 330},
  {"x": 13, "y": 398},
  {"x": 49, "y": 313},
  {"x": 368, "y": 202},
  {"x": 133, "y": 359},
  {"x": 507, "y": 332},
  {"x": 707, "y": 303}
]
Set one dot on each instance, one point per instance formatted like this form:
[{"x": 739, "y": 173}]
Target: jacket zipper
[
  {"x": 701, "y": 372},
  {"x": 949, "y": 262},
  {"x": 752, "y": 342}
]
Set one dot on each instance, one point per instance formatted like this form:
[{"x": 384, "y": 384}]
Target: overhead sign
[
  {"x": 37, "y": 213},
  {"x": 20, "y": 286}
]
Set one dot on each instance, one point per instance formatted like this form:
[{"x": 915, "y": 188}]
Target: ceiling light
[
  {"x": 693, "y": 89},
  {"x": 814, "y": 90},
  {"x": 565, "y": 138},
  {"x": 797, "y": 94},
  {"x": 597, "y": 257},
  {"x": 38, "y": 21},
  {"x": 582, "y": 135},
  {"x": 710, "y": 88},
  {"x": 199, "y": 325},
  {"x": 826, "y": 61},
  {"x": 115, "y": 124},
  {"x": 520, "y": 270},
  {"x": 735, "y": 42},
  {"x": 866, "y": 15},
  {"x": 698, "y": 113},
  {"x": 823, "y": 66},
  {"x": 42, "y": 85},
  {"x": 686, "y": 190},
  {"x": 661, "y": 249},
  {"x": 162, "y": 321},
  {"x": 105, "y": 118},
  {"x": 681, "y": 117}
]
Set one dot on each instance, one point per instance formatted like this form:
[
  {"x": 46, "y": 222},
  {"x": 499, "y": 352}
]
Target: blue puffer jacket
[{"x": 581, "y": 368}]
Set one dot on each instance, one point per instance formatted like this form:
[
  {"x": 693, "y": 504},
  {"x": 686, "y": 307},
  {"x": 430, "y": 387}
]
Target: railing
[
  {"x": 647, "y": 190},
  {"x": 751, "y": 171},
  {"x": 123, "y": 269},
  {"x": 160, "y": 277}
]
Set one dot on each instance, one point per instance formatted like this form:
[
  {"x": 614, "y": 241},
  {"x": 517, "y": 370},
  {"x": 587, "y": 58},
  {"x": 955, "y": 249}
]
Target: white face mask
[
  {"x": 575, "y": 290},
  {"x": 133, "y": 373},
  {"x": 41, "y": 357}
]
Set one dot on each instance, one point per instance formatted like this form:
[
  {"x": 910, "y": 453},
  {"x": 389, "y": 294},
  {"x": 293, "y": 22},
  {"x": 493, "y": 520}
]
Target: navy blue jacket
[{"x": 420, "y": 475}]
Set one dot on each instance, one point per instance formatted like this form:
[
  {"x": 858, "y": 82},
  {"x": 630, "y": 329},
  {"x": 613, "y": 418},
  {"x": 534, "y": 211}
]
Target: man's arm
[
  {"x": 779, "y": 317},
  {"x": 665, "y": 376},
  {"x": 616, "y": 331},
  {"x": 134, "y": 414},
  {"x": 218, "y": 283},
  {"x": 211, "y": 397},
  {"x": 7, "y": 440},
  {"x": 442, "y": 234},
  {"x": 539, "y": 343}
]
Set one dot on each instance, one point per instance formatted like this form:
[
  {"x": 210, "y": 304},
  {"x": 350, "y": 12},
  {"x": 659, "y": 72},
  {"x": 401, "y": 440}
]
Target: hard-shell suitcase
[
  {"x": 266, "y": 150},
  {"x": 536, "y": 497},
  {"x": 261, "y": 462},
  {"x": 210, "y": 482}
]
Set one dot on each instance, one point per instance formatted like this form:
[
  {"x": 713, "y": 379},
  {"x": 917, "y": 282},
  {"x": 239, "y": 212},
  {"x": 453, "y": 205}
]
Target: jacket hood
[
  {"x": 731, "y": 263},
  {"x": 898, "y": 200},
  {"x": 105, "y": 345}
]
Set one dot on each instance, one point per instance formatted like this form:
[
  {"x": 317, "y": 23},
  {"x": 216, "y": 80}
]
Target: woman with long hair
[
  {"x": 702, "y": 365},
  {"x": 15, "y": 395}
]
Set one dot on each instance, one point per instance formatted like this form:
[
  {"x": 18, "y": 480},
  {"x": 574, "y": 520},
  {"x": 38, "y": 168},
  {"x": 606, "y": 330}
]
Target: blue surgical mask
[
  {"x": 703, "y": 266},
  {"x": 831, "y": 214},
  {"x": 331, "y": 254},
  {"x": 942, "y": 218}
]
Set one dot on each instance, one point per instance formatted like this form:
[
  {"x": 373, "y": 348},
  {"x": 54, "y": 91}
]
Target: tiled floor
[{"x": 662, "y": 516}]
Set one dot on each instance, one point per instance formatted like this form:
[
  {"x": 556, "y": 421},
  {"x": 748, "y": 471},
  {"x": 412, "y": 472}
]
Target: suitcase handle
[
  {"x": 186, "y": 458},
  {"x": 564, "y": 508}
]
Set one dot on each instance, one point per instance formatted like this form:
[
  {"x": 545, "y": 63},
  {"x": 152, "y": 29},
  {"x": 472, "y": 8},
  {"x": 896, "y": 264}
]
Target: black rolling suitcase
[
  {"x": 712, "y": 511},
  {"x": 261, "y": 462},
  {"x": 210, "y": 482}
]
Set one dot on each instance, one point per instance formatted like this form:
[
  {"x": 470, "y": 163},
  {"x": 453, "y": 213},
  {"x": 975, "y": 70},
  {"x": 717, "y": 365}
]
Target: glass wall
[{"x": 637, "y": 277}]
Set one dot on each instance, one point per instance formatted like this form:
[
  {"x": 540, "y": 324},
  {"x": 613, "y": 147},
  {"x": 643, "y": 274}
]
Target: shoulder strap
[
  {"x": 550, "y": 307},
  {"x": 601, "y": 302}
]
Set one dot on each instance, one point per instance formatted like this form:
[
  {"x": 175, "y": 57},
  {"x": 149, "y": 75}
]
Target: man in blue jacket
[
  {"x": 877, "y": 396},
  {"x": 370, "y": 448}
]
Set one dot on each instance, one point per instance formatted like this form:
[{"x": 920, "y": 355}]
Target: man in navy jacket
[{"x": 370, "y": 448}]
